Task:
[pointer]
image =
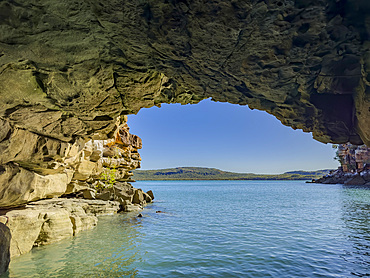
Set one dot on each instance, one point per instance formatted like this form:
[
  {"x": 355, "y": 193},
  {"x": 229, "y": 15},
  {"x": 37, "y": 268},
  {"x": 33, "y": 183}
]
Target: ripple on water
[{"x": 221, "y": 229}]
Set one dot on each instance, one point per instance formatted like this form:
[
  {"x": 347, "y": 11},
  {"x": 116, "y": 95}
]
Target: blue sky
[{"x": 225, "y": 136}]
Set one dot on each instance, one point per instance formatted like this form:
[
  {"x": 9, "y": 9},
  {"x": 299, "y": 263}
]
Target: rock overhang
[{"x": 68, "y": 70}]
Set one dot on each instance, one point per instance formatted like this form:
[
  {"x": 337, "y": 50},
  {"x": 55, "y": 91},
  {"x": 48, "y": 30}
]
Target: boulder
[
  {"x": 356, "y": 180},
  {"x": 105, "y": 196},
  {"x": 147, "y": 197},
  {"x": 150, "y": 193},
  {"x": 138, "y": 197},
  {"x": 123, "y": 202},
  {"x": 84, "y": 170},
  {"x": 89, "y": 194},
  {"x": 76, "y": 186},
  {"x": 132, "y": 207},
  {"x": 5, "y": 238}
]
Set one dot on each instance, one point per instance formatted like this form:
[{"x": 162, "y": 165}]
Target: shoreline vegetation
[{"x": 200, "y": 173}]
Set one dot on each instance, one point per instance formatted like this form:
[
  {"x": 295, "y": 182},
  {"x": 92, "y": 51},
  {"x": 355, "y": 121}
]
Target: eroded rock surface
[
  {"x": 35, "y": 168},
  {"x": 69, "y": 69},
  {"x": 354, "y": 166},
  {"x": 47, "y": 221},
  {"x": 93, "y": 176},
  {"x": 5, "y": 238}
]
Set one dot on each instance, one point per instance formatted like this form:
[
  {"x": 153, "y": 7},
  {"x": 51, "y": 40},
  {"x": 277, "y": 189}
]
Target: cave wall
[
  {"x": 68, "y": 69},
  {"x": 35, "y": 167}
]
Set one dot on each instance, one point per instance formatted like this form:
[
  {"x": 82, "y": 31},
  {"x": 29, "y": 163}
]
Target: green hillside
[{"x": 198, "y": 173}]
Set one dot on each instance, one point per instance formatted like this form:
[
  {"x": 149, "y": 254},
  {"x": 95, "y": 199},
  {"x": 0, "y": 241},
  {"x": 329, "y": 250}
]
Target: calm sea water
[{"x": 221, "y": 229}]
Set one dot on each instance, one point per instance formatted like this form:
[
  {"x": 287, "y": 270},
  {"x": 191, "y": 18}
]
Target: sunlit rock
[{"x": 47, "y": 221}]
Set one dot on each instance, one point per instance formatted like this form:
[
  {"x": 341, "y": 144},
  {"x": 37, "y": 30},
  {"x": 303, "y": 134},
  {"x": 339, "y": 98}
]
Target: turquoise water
[{"x": 221, "y": 229}]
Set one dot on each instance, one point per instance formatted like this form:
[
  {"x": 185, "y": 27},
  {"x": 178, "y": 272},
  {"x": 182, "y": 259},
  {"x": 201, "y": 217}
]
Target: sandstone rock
[
  {"x": 84, "y": 170},
  {"x": 48, "y": 221},
  {"x": 100, "y": 207},
  {"x": 70, "y": 167},
  {"x": 105, "y": 196},
  {"x": 5, "y": 238},
  {"x": 147, "y": 198},
  {"x": 123, "y": 202},
  {"x": 57, "y": 226},
  {"x": 124, "y": 195},
  {"x": 133, "y": 207},
  {"x": 138, "y": 197},
  {"x": 76, "y": 186},
  {"x": 89, "y": 194},
  {"x": 20, "y": 186},
  {"x": 271, "y": 56},
  {"x": 150, "y": 193},
  {"x": 83, "y": 222},
  {"x": 25, "y": 227},
  {"x": 3, "y": 220}
]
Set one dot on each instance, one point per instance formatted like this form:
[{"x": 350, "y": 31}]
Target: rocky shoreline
[
  {"x": 62, "y": 188},
  {"x": 354, "y": 166},
  {"x": 340, "y": 177},
  {"x": 47, "y": 221}
]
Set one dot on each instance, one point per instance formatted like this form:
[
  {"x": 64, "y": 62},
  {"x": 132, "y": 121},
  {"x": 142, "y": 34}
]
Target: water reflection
[
  {"x": 356, "y": 219},
  {"x": 94, "y": 253}
]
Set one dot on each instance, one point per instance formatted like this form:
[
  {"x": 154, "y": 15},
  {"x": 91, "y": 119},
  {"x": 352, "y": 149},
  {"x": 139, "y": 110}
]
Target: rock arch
[{"x": 68, "y": 70}]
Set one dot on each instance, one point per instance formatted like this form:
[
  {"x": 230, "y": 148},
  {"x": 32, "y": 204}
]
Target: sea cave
[{"x": 71, "y": 72}]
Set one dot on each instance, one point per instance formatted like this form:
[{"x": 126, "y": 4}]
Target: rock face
[
  {"x": 93, "y": 175},
  {"x": 67, "y": 70},
  {"x": 39, "y": 169},
  {"x": 354, "y": 158},
  {"x": 47, "y": 221},
  {"x": 355, "y": 166},
  {"x": 4, "y": 248}
]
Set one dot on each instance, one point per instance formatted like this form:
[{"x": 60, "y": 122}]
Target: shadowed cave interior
[{"x": 70, "y": 72}]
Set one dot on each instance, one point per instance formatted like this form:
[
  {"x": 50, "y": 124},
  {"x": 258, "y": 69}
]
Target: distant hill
[{"x": 199, "y": 173}]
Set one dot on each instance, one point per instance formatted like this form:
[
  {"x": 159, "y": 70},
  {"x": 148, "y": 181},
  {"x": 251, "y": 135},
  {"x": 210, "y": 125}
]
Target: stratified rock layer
[
  {"x": 47, "y": 221},
  {"x": 354, "y": 158},
  {"x": 354, "y": 166},
  {"x": 34, "y": 167},
  {"x": 68, "y": 69},
  {"x": 94, "y": 175}
]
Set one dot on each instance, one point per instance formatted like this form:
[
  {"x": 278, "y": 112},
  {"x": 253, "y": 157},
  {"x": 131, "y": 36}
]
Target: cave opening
[{"x": 225, "y": 136}]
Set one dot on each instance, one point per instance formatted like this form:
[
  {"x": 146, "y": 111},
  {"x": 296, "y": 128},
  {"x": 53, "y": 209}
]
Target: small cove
[{"x": 220, "y": 229}]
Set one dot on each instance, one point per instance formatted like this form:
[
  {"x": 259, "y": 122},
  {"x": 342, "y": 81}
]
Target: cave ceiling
[{"x": 68, "y": 69}]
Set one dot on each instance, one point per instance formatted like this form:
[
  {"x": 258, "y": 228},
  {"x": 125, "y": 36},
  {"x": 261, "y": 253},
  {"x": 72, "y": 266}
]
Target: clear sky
[{"x": 225, "y": 136}]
